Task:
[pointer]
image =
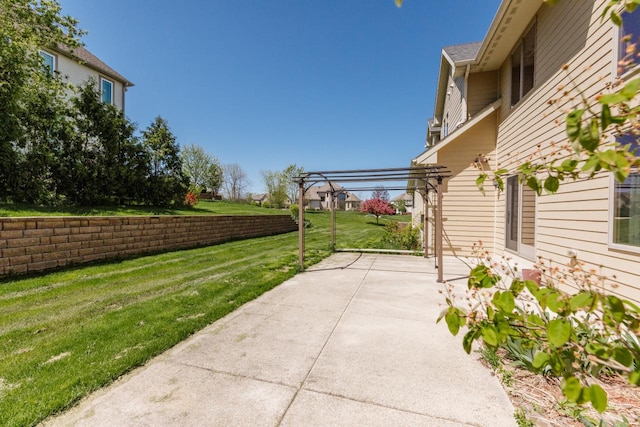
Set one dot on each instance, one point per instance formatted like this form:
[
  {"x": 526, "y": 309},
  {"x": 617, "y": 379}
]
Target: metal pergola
[{"x": 425, "y": 179}]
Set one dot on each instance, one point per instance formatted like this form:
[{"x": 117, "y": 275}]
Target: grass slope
[
  {"x": 202, "y": 208},
  {"x": 66, "y": 334}
]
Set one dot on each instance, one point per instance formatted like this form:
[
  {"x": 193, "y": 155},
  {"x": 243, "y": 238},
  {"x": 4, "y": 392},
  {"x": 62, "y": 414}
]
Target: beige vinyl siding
[
  {"x": 577, "y": 217},
  {"x": 78, "y": 75},
  {"x": 483, "y": 90},
  {"x": 453, "y": 105},
  {"x": 468, "y": 215}
]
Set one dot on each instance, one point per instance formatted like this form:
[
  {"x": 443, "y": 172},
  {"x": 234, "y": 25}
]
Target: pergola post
[
  {"x": 301, "y": 224},
  {"x": 332, "y": 201},
  {"x": 425, "y": 221},
  {"x": 439, "y": 235}
]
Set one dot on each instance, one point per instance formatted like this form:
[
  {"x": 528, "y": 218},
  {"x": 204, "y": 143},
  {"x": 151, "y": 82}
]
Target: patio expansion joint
[
  {"x": 394, "y": 408},
  {"x": 324, "y": 345},
  {"x": 231, "y": 374}
]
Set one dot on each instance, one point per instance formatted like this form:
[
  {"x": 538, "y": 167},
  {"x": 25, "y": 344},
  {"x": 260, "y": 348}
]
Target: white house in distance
[
  {"x": 492, "y": 98},
  {"x": 78, "y": 65},
  {"x": 405, "y": 198}
]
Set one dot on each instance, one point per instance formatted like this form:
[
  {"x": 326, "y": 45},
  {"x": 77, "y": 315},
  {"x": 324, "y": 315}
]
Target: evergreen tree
[{"x": 168, "y": 184}]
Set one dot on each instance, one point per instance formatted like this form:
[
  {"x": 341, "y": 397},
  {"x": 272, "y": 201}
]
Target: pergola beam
[{"x": 431, "y": 176}]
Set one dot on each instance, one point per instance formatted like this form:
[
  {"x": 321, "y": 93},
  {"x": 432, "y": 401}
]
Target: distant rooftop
[
  {"x": 90, "y": 60},
  {"x": 463, "y": 52}
]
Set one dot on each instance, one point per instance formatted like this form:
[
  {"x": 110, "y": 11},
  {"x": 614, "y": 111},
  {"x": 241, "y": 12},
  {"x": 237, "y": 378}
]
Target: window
[
  {"x": 49, "y": 62},
  {"x": 626, "y": 203},
  {"x": 628, "y": 38},
  {"x": 521, "y": 218},
  {"x": 522, "y": 66},
  {"x": 106, "y": 91}
]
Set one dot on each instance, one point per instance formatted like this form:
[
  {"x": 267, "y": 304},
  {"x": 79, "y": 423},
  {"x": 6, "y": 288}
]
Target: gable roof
[
  {"x": 462, "y": 53},
  {"x": 87, "y": 58},
  {"x": 352, "y": 197},
  {"x": 403, "y": 196}
]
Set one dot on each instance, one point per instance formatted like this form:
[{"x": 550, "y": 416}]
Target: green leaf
[
  {"x": 634, "y": 378},
  {"x": 534, "y": 184},
  {"x": 553, "y": 301},
  {"x": 615, "y": 308},
  {"x": 590, "y": 136},
  {"x": 468, "y": 339},
  {"x": 581, "y": 300},
  {"x": 479, "y": 277},
  {"x": 517, "y": 286},
  {"x": 480, "y": 180},
  {"x": 551, "y": 184},
  {"x": 574, "y": 121},
  {"x": 540, "y": 360},
  {"x": 623, "y": 356},
  {"x": 607, "y": 119},
  {"x": 598, "y": 398},
  {"x": 630, "y": 90},
  {"x": 558, "y": 332},
  {"x": 490, "y": 335},
  {"x": 453, "y": 321},
  {"x": 572, "y": 389},
  {"x": 504, "y": 301},
  {"x": 615, "y": 18}
]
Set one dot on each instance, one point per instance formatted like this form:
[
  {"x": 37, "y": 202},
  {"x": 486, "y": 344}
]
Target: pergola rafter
[{"x": 426, "y": 179}]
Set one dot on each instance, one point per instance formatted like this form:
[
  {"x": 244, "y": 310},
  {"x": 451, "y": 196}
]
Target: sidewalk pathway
[{"x": 352, "y": 341}]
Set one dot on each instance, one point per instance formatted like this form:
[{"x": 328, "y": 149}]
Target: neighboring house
[
  {"x": 318, "y": 197},
  {"x": 259, "y": 199},
  {"x": 352, "y": 202},
  {"x": 79, "y": 65},
  {"x": 405, "y": 198},
  {"x": 492, "y": 109}
]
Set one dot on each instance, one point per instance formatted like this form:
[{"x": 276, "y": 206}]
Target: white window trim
[
  {"x": 616, "y": 53},
  {"x": 528, "y": 252},
  {"x": 612, "y": 209},
  {"x": 102, "y": 79},
  {"x": 53, "y": 57}
]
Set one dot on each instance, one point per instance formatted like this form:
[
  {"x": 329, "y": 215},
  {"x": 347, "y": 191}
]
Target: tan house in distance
[
  {"x": 492, "y": 110},
  {"x": 79, "y": 65},
  {"x": 318, "y": 197}
]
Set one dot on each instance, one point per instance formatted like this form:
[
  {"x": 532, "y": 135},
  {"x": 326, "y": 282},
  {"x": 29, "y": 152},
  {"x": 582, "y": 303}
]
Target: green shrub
[
  {"x": 401, "y": 236},
  {"x": 295, "y": 211}
]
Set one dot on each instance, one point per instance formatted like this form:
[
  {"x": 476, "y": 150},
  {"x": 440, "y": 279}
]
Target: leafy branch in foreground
[{"x": 575, "y": 337}]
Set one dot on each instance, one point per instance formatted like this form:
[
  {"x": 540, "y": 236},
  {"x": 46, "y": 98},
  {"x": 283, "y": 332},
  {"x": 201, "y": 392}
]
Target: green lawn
[
  {"x": 68, "y": 333},
  {"x": 202, "y": 208}
]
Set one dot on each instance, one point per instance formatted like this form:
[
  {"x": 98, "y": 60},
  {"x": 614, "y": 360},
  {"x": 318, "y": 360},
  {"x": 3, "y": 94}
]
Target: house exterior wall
[
  {"x": 453, "y": 106},
  {"x": 577, "y": 217},
  {"x": 483, "y": 90},
  {"x": 79, "y": 74},
  {"x": 461, "y": 195}
]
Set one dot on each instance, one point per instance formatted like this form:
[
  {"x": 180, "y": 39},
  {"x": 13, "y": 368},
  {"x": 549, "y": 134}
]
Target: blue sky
[{"x": 324, "y": 84}]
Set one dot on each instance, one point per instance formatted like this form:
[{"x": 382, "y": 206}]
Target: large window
[
  {"x": 520, "y": 218},
  {"x": 628, "y": 39},
  {"x": 626, "y": 203},
  {"x": 106, "y": 91},
  {"x": 49, "y": 62},
  {"x": 523, "y": 66}
]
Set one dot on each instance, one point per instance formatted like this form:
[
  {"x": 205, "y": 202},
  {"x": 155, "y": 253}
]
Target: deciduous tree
[
  {"x": 234, "y": 181},
  {"x": 377, "y": 207}
]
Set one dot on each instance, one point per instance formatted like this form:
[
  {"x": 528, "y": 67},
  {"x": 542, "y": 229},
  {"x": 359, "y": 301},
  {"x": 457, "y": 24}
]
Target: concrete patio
[{"x": 352, "y": 341}]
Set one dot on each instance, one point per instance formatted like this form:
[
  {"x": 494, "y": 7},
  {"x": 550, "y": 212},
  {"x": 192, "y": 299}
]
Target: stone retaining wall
[{"x": 41, "y": 243}]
